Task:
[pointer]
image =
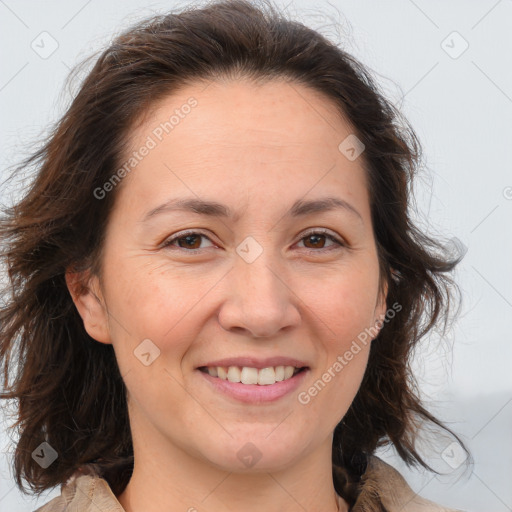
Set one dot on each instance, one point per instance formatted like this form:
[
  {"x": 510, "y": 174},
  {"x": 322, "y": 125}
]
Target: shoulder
[
  {"x": 85, "y": 491},
  {"x": 382, "y": 482}
]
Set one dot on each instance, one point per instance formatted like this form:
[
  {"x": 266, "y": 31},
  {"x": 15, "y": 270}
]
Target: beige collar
[{"x": 383, "y": 486}]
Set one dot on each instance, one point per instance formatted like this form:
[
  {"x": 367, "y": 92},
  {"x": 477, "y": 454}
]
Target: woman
[{"x": 216, "y": 285}]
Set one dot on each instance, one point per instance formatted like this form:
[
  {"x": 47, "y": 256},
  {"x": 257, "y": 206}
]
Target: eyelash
[{"x": 168, "y": 243}]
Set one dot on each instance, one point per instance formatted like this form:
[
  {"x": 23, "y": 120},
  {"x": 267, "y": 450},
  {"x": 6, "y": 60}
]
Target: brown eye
[
  {"x": 190, "y": 240},
  {"x": 317, "y": 240},
  {"x": 313, "y": 241}
]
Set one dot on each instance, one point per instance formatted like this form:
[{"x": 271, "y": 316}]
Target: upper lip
[{"x": 256, "y": 362}]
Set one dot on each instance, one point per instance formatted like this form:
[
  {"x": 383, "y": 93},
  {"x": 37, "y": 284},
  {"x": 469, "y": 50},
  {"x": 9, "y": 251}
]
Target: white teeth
[
  {"x": 266, "y": 376},
  {"x": 234, "y": 374},
  {"x": 279, "y": 373},
  {"x": 247, "y": 375},
  {"x": 288, "y": 372}
]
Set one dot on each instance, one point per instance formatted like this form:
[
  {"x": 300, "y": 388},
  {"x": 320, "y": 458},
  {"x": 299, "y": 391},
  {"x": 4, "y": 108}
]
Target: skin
[{"x": 257, "y": 149}]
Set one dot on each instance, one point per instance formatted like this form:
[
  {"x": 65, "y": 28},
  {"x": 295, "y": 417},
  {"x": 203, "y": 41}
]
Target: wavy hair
[{"x": 67, "y": 387}]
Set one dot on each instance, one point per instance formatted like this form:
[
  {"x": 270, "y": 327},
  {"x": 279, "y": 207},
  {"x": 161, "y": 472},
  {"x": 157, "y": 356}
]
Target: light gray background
[{"x": 461, "y": 108}]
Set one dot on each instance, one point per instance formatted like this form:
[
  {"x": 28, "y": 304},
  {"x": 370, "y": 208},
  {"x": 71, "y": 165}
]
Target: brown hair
[{"x": 68, "y": 387}]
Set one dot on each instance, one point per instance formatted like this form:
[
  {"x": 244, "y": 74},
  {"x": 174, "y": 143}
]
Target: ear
[{"x": 85, "y": 291}]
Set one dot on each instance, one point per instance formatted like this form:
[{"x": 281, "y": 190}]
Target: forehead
[
  {"x": 228, "y": 138},
  {"x": 274, "y": 111}
]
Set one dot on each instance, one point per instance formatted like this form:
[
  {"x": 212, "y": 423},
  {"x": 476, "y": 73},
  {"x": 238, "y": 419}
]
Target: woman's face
[{"x": 254, "y": 281}]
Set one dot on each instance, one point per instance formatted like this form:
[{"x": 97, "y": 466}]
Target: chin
[{"x": 254, "y": 453}]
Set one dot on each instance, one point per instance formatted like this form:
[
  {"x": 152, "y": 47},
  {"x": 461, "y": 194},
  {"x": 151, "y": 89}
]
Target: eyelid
[
  {"x": 304, "y": 234},
  {"x": 338, "y": 240},
  {"x": 181, "y": 234},
  {"x": 323, "y": 231}
]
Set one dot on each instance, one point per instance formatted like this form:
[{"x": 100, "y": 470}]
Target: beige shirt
[{"x": 381, "y": 484}]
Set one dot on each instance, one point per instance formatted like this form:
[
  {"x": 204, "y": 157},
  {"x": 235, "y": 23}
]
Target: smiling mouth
[{"x": 253, "y": 376}]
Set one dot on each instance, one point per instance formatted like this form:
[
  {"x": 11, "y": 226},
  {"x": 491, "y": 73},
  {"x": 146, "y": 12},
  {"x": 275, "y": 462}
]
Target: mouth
[{"x": 253, "y": 376}]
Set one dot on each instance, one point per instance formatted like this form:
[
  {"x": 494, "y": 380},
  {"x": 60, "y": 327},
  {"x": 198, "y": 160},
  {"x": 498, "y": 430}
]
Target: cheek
[
  {"x": 344, "y": 314},
  {"x": 154, "y": 299},
  {"x": 156, "y": 305},
  {"x": 344, "y": 302},
  {"x": 342, "y": 309}
]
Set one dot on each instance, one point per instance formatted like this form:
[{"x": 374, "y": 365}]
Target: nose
[{"x": 259, "y": 302}]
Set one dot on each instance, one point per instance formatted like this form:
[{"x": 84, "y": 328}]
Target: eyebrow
[{"x": 215, "y": 209}]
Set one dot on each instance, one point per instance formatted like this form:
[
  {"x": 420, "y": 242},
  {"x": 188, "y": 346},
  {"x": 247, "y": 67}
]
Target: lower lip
[{"x": 254, "y": 393}]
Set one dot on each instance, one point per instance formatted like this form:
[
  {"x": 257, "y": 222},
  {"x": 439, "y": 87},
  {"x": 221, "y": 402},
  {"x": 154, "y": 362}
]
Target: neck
[{"x": 167, "y": 478}]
